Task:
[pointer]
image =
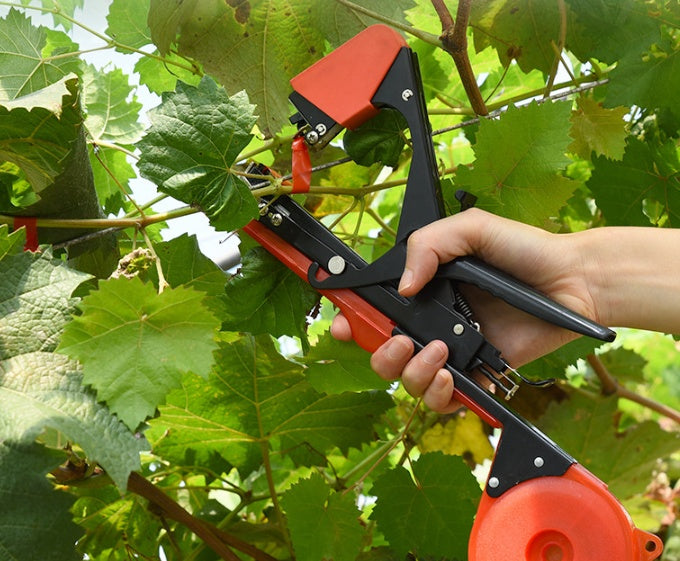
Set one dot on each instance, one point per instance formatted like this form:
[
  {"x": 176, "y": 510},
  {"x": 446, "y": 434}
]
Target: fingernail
[
  {"x": 433, "y": 354},
  {"x": 406, "y": 280},
  {"x": 398, "y": 350}
]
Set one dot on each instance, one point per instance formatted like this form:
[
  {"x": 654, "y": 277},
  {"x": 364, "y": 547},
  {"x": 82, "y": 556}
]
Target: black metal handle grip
[{"x": 521, "y": 296}]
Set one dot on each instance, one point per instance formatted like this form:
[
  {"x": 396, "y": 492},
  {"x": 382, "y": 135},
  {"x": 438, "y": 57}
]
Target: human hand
[{"x": 550, "y": 263}]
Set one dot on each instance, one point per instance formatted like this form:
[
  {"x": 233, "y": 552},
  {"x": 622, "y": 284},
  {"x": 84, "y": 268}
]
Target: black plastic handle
[{"x": 521, "y": 296}]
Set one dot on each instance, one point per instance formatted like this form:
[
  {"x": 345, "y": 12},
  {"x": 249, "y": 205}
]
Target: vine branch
[
  {"x": 454, "y": 41},
  {"x": 218, "y": 540},
  {"x": 611, "y": 386}
]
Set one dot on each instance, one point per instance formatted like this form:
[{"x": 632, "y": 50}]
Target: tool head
[{"x": 336, "y": 92}]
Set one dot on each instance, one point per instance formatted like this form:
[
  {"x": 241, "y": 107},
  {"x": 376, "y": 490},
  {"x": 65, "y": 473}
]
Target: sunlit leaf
[
  {"x": 195, "y": 136},
  {"x": 255, "y": 397},
  {"x": 153, "y": 337}
]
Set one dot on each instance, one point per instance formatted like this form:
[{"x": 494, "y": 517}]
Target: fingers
[
  {"x": 340, "y": 328},
  {"x": 422, "y": 374},
  {"x": 439, "y": 242}
]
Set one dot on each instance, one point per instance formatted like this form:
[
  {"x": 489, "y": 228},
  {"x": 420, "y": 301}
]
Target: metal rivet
[
  {"x": 458, "y": 329},
  {"x": 494, "y": 483},
  {"x": 336, "y": 265},
  {"x": 539, "y": 462},
  {"x": 406, "y": 94}
]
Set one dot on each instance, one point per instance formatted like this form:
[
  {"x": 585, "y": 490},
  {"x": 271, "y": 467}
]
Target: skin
[{"x": 618, "y": 276}]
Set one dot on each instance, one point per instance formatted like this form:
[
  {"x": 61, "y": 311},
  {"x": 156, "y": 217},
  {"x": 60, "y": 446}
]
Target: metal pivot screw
[
  {"x": 406, "y": 94},
  {"x": 336, "y": 265},
  {"x": 312, "y": 137},
  {"x": 539, "y": 462},
  {"x": 263, "y": 209},
  {"x": 275, "y": 218},
  {"x": 494, "y": 482},
  {"x": 458, "y": 329}
]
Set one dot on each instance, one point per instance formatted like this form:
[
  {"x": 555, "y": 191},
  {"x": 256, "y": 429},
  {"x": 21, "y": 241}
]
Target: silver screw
[
  {"x": 336, "y": 265},
  {"x": 406, "y": 94},
  {"x": 275, "y": 219},
  {"x": 458, "y": 329},
  {"x": 539, "y": 462},
  {"x": 312, "y": 137},
  {"x": 494, "y": 482}
]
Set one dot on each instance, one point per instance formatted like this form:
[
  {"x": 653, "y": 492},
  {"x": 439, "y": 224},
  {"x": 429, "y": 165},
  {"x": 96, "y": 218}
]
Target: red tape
[
  {"x": 31, "y": 225},
  {"x": 302, "y": 166}
]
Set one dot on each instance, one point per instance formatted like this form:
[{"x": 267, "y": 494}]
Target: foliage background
[{"x": 156, "y": 408}]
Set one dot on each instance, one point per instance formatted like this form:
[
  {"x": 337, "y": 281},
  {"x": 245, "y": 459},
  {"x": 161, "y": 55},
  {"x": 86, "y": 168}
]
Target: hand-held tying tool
[{"x": 538, "y": 503}]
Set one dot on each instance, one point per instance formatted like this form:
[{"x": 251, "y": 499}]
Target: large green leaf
[
  {"x": 195, "y": 136},
  {"x": 647, "y": 177},
  {"x": 34, "y": 519},
  {"x": 39, "y": 130},
  {"x": 431, "y": 516},
  {"x": 127, "y": 23},
  {"x": 39, "y": 388},
  {"x": 267, "y": 297},
  {"x": 523, "y": 30},
  {"x": 257, "y": 398},
  {"x": 636, "y": 79},
  {"x": 26, "y": 64},
  {"x": 111, "y": 106},
  {"x": 260, "y": 45},
  {"x": 519, "y": 163},
  {"x": 597, "y": 129},
  {"x": 624, "y": 459},
  {"x": 323, "y": 524},
  {"x": 134, "y": 344},
  {"x": 608, "y": 30}
]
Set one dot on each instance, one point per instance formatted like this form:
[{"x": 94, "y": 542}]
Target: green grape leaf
[
  {"x": 39, "y": 130},
  {"x": 256, "y": 397},
  {"x": 39, "y": 388},
  {"x": 624, "y": 460},
  {"x": 647, "y": 174},
  {"x": 267, "y": 297},
  {"x": 636, "y": 79},
  {"x": 115, "y": 523},
  {"x": 431, "y": 516},
  {"x": 597, "y": 129},
  {"x": 523, "y": 31},
  {"x": 34, "y": 520},
  {"x": 380, "y": 139},
  {"x": 339, "y": 22},
  {"x": 112, "y": 108},
  {"x": 519, "y": 161},
  {"x": 337, "y": 366},
  {"x": 624, "y": 364},
  {"x": 134, "y": 344},
  {"x": 165, "y": 18},
  {"x": 195, "y": 136},
  {"x": 26, "y": 64},
  {"x": 554, "y": 364},
  {"x": 629, "y": 29},
  {"x": 127, "y": 23},
  {"x": 11, "y": 243},
  {"x": 260, "y": 45},
  {"x": 162, "y": 75},
  {"x": 323, "y": 524}
]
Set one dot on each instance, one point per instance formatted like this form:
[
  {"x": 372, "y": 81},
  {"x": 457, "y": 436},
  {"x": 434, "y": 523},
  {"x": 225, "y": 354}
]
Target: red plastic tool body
[{"x": 343, "y": 84}]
